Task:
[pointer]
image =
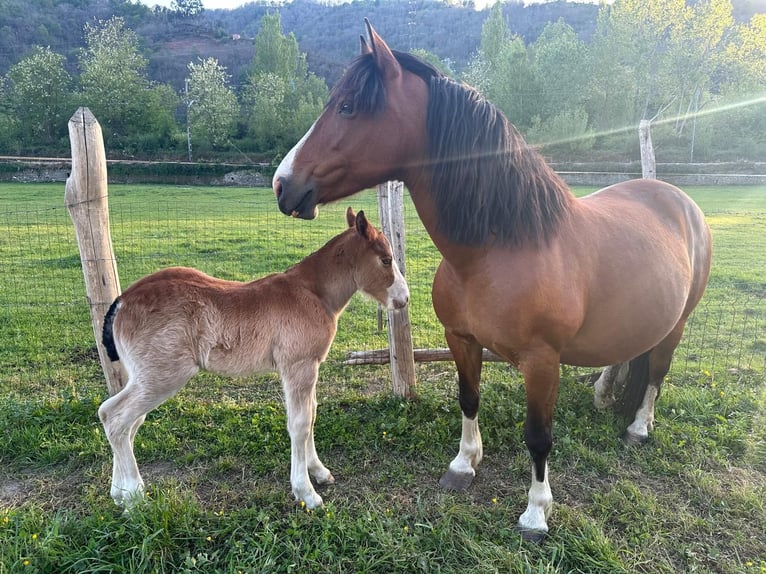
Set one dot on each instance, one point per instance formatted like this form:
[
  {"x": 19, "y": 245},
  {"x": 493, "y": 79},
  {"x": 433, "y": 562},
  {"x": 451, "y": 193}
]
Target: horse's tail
[
  {"x": 107, "y": 336},
  {"x": 636, "y": 384}
]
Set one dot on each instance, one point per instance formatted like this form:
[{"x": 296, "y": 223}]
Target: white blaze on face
[
  {"x": 285, "y": 168},
  {"x": 398, "y": 292}
]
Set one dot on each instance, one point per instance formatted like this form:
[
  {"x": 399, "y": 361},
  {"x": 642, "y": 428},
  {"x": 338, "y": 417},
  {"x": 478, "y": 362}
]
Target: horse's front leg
[
  {"x": 299, "y": 381},
  {"x": 541, "y": 381},
  {"x": 467, "y": 354}
]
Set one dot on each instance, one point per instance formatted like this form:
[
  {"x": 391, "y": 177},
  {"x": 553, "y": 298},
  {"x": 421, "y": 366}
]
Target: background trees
[
  {"x": 211, "y": 104},
  {"x": 136, "y": 116},
  {"x": 281, "y": 97},
  {"x": 576, "y": 79},
  {"x": 39, "y": 91}
]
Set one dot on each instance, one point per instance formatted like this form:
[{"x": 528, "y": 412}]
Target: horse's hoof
[
  {"x": 325, "y": 480},
  {"x": 631, "y": 439},
  {"x": 533, "y": 536},
  {"x": 455, "y": 481}
]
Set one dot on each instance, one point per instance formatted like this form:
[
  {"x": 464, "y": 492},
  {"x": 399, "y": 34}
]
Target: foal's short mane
[{"x": 487, "y": 183}]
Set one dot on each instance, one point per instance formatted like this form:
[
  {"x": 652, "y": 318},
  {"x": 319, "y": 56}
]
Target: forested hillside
[
  {"x": 223, "y": 84},
  {"x": 327, "y": 34}
]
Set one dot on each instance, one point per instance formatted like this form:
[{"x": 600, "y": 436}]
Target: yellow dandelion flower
[
  {"x": 494, "y": 501},
  {"x": 26, "y": 562},
  {"x": 34, "y": 537},
  {"x": 209, "y": 538}
]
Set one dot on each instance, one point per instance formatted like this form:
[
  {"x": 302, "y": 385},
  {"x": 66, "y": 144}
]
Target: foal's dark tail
[
  {"x": 636, "y": 384},
  {"x": 107, "y": 336}
]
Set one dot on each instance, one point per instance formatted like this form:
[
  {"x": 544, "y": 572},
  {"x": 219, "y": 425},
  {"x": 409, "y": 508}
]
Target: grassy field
[{"x": 216, "y": 457}]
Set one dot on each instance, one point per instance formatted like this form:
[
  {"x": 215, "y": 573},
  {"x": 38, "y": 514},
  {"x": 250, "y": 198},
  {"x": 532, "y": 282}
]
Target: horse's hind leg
[
  {"x": 468, "y": 360},
  {"x": 659, "y": 360},
  {"x": 604, "y": 387},
  {"x": 122, "y": 415}
]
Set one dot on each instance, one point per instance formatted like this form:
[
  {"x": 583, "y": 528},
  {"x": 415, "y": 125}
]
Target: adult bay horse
[
  {"x": 528, "y": 270},
  {"x": 168, "y": 325}
]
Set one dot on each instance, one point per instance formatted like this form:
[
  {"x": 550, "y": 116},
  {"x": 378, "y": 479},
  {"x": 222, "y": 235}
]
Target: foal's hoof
[
  {"x": 455, "y": 481},
  {"x": 533, "y": 536},
  {"x": 632, "y": 439}
]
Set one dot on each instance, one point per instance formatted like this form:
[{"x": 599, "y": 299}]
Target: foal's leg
[
  {"x": 659, "y": 364},
  {"x": 467, "y": 354},
  {"x": 122, "y": 415},
  {"x": 299, "y": 382},
  {"x": 541, "y": 381}
]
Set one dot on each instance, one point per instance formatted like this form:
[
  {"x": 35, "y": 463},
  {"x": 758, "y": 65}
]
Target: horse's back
[
  {"x": 678, "y": 220},
  {"x": 228, "y": 327}
]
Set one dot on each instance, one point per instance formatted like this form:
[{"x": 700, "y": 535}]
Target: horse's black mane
[{"x": 487, "y": 183}]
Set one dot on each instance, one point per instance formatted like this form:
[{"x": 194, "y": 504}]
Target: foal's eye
[
  {"x": 386, "y": 261},
  {"x": 346, "y": 109}
]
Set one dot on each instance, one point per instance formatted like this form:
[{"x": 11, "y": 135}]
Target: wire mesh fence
[{"x": 46, "y": 336}]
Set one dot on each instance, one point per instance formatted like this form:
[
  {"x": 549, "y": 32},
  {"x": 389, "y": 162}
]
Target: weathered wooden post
[
  {"x": 391, "y": 207},
  {"x": 648, "y": 165},
  {"x": 86, "y": 198}
]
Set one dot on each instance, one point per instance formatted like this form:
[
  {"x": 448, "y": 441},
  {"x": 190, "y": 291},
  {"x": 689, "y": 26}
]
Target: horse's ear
[
  {"x": 350, "y": 217},
  {"x": 382, "y": 54},
  {"x": 362, "y": 225},
  {"x": 364, "y": 48}
]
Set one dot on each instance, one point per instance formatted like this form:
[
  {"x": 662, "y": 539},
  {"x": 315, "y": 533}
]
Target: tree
[
  {"x": 559, "y": 59},
  {"x": 40, "y": 95},
  {"x": 211, "y": 104},
  {"x": 502, "y": 71},
  {"x": 187, "y": 8},
  {"x": 281, "y": 97},
  {"x": 136, "y": 116}
]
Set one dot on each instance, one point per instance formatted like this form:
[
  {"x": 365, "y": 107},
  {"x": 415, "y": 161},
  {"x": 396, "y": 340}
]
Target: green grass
[{"x": 216, "y": 457}]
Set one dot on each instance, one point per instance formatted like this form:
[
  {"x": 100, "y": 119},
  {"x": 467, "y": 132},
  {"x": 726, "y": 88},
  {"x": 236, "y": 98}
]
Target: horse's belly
[{"x": 618, "y": 336}]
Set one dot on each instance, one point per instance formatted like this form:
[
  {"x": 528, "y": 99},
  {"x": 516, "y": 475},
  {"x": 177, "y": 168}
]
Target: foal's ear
[
  {"x": 350, "y": 217},
  {"x": 362, "y": 225},
  {"x": 382, "y": 54}
]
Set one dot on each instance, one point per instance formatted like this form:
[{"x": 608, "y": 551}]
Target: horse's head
[
  {"x": 375, "y": 270},
  {"x": 371, "y": 130}
]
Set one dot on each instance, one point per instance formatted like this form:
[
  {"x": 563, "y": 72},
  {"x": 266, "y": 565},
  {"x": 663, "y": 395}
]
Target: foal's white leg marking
[
  {"x": 120, "y": 426},
  {"x": 539, "y": 505},
  {"x": 299, "y": 382},
  {"x": 603, "y": 389},
  {"x": 123, "y": 414},
  {"x": 285, "y": 168},
  {"x": 644, "y": 422},
  {"x": 399, "y": 292},
  {"x": 471, "y": 452}
]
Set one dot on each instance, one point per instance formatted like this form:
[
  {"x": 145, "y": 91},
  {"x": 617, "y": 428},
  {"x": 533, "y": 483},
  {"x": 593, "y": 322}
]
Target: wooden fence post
[
  {"x": 391, "y": 207},
  {"x": 648, "y": 165},
  {"x": 86, "y": 198}
]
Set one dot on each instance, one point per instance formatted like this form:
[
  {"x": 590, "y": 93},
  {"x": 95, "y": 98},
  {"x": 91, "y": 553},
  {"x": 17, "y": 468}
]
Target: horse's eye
[
  {"x": 346, "y": 109},
  {"x": 386, "y": 261}
]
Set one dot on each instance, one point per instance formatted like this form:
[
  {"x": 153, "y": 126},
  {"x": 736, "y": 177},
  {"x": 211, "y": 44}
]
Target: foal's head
[{"x": 375, "y": 270}]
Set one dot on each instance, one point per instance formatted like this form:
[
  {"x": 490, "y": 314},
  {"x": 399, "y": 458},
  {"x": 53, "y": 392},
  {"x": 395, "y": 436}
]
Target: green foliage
[
  {"x": 503, "y": 71},
  {"x": 211, "y": 103},
  {"x": 40, "y": 92},
  {"x": 281, "y": 98},
  {"x": 698, "y": 67}
]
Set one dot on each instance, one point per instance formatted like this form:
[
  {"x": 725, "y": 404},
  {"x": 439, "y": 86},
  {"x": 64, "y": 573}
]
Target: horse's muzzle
[{"x": 298, "y": 202}]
